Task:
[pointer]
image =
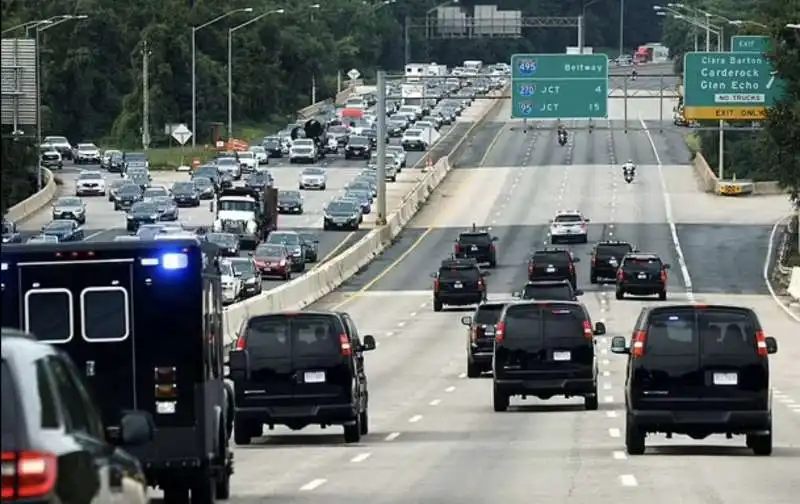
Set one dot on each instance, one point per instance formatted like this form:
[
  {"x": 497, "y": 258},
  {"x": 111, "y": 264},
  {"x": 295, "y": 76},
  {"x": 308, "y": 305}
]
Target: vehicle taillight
[
  {"x": 436, "y": 285},
  {"x": 620, "y": 274},
  {"x": 587, "y": 330},
  {"x": 27, "y": 475},
  {"x": 500, "y": 332},
  {"x": 491, "y": 247},
  {"x": 530, "y": 267},
  {"x": 474, "y": 333},
  {"x": 481, "y": 285},
  {"x": 571, "y": 267},
  {"x": 761, "y": 344},
  {"x": 663, "y": 276},
  {"x": 240, "y": 343},
  {"x": 457, "y": 248},
  {"x": 594, "y": 260},
  {"x": 344, "y": 345},
  {"x": 637, "y": 345}
]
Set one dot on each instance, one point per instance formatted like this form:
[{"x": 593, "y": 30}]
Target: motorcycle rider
[
  {"x": 628, "y": 169},
  {"x": 562, "y": 134}
]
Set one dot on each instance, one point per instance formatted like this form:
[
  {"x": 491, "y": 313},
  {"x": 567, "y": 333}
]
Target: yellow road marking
[{"x": 330, "y": 255}]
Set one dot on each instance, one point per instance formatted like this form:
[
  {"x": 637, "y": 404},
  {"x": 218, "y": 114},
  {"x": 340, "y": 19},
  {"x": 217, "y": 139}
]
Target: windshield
[
  {"x": 358, "y": 140},
  {"x": 236, "y": 205},
  {"x": 226, "y": 161},
  {"x": 59, "y": 224},
  {"x": 182, "y": 187},
  {"x": 569, "y": 219},
  {"x": 68, "y": 202},
  {"x": 313, "y": 171},
  {"x": 144, "y": 208},
  {"x": 288, "y": 195},
  {"x": 246, "y": 155},
  {"x": 206, "y": 171},
  {"x": 552, "y": 292},
  {"x": 155, "y": 191},
  {"x": 613, "y": 250},
  {"x": 460, "y": 274},
  {"x": 269, "y": 251},
  {"x": 408, "y": 110},
  {"x": 646, "y": 264},
  {"x": 488, "y": 314},
  {"x": 225, "y": 239},
  {"x": 271, "y": 141},
  {"x": 474, "y": 239},
  {"x": 56, "y": 140},
  {"x": 242, "y": 266},
  {"x": 285, "y": 238},
  {"x": 131, "y": 189},
  {"x": 89, "y": 175},
  {"x": 337, "y": 130},
  {"x": 341, "y": 207},
  {"x": 413, "y": 133},
  {"x": 554, "y": 258},
  {"x": 202, "y": 182},
  {"x": 132, "y": 156}
]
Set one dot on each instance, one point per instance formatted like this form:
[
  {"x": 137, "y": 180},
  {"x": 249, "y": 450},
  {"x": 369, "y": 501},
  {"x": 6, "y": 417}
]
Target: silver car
[
  {"x": 70, "y": 207},
  {"x": 90, "y": 183},
  {"x": 313, "y": 178}
]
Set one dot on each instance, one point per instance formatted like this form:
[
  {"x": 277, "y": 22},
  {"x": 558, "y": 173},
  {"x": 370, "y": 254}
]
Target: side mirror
[
  {"x": 576, "y": 259},
  {"x": 578, "y": 292},
  {"x": 587, "y": 220},
  {"x": 368, "y": 343},
  {"x": 516, "y": 295},
  {"x": 666, "y": 266},
  {"x": 772, "y": 345},
  {"x": 466, "y": 320},
  {"x": 239, "y": 365},
  {"x": 618, "y": 345},
  {"x": 599, "y": 329},
  {"x": 136, "y": 428},
  {"x": 486, "y": 273}
]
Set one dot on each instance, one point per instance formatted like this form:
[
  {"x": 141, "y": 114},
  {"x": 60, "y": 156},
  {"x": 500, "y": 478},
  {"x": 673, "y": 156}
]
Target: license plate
[
  {"x": 474, "y": 248},
  {"x": 314, "y": 377},
  {"x": 562, "y": 356},
  {"x": 458, "y": 285},
  {"x": 489, "y": 331},
  {"x": 642, "y": 276},
  {"x": 726, "y": 379},
  {"x": 551, "y": 269}
]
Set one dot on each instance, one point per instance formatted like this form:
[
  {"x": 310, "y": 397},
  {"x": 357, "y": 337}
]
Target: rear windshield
[
  {"x": 719, "y": 331},
  {"x": 465, "y": 274},
  {"x": 305, "y": 334},
  {"x": 613, "y": 250},
  {"x": 488, "y": 314},
  {"x": 474, "y": 239},
  {"x": 569, "y": 219},
  {"x": 537, "y": 321},
  {"x": 652, "y": 265},
  {"x": 554, "y": 258},
  {"x": 556, "y": 292}
]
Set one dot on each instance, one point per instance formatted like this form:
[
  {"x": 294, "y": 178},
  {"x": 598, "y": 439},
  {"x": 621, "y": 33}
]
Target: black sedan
[
  {"x": 290, "y": 202},
  {"x": 228, "y": 243},
  {"x": 273, "y": 146},
  {"x": 358, "y": 147},
  {"x": 167, "y": 208},
  {"x": 64, "y": 230},
  {"x": 342, "y": 215},
  {"x": 205, "y": 187},
  {"x": 127, "y": 196},
  {"x": 245, "y": 269},
  {"x": 311, "y": 242},
  {"x": 143, "y": 212},
  {"x": 186, "y": 194},
  {"x": 259, "y": 180}
]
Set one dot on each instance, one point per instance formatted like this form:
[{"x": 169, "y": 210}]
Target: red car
[{"x": 273, "y": 260}]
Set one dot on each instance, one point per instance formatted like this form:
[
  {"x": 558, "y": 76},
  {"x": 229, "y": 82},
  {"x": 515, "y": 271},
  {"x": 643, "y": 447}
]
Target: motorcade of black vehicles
[
  {"x": 311, "y": 242},
  {"x": 140, "y": 178},
  {"x": 114, "y": 186},
  {"x": 363, "y": 184},
  {"x": 185, "y": 194},
  {"x": 55, "y": 446},
  {"x": 358, "y": 147},
  {"x": 127, "y": 196},
  {"x": 477, "y": 243},
  {"x": 553, "y": 263},
  {"x": 115, "y": 163},
  {"x": 312, "y": 363},
  {"x": 458, "y": 282},
  {"x": 63, "y": 230},
  {"x": 290, "y": 202},
  {"x": 273, "y": 260},
  {"x": 606, "y": 257},
  {"x": 298, "y": 250},
  {"x": 273, "y": 146},
  {"x": 642, "y": 274},
  {"x": 480, "y": 336},
  {"x": 10, "y": 232},
  {"x": 554, "y": 290},
  {"x": 113, "y": 308},
  {"x": 697, "y": 370},
  {"x": 245, "y": 269},
  {"x": 228, "y": 243},
  {"x": 341, "y": 215},
  {"x": 544, "y": 349},
  {"x": 363, "y": 197}
]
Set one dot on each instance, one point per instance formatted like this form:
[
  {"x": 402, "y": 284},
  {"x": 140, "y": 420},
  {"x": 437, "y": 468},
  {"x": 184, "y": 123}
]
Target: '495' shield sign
[{"x": 527, "y": 67}]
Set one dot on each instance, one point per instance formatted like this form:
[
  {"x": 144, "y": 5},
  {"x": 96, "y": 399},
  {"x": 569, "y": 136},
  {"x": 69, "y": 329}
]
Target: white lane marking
[
  {"x": 606, "y": 386},
  {"x": 423, "y": 305},
  {"x": 786, "y": 400},
  {"x": 765, "y": 271},
  {"x": 449, "y": 389},
  {"x": 614, "y": 432},
  {"x": 311, "y": 485},
  {"x": 413, "y": 314},
  {"x": 361, "y": 457},
  {"x": 604, "y": 351},
  {"x": 619, "y": 455},
  {"x": 462, "y": 375},
  {"x": 96, "y": 233},
  {"x": 605, "y": 362},
  {"x": 401, "y": 324},
  {"x": 415, "y": 419},
  {"x": 687, "y": 279},
  {"x": 608, "y": 399},
  {"x": 392, "y": 436},
  {"x": 606, "y": 373},
  {"x": 628, "y": 480},
  {"x": 435, "y": 402},
  {"x": 390, "y": 333}
]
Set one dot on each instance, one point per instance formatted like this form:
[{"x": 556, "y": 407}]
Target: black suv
[
  {"x": 697, "y": 370},
  {"x": 606, "y": 257},
  {"x": 550, "y": 290},
  {"x": 480, "y": 336},
  {"x": 477, "y": 244},
  {"x": 358, "y": 147},
  {"x": 553, "y": 264},
  {"x": 54, "y": 443},
  {"x": 297, "y": 369},
  {"x": 545, "y": 348},
  {"x": 458, "y": 282},
  {"x": 642, "y": 274}
]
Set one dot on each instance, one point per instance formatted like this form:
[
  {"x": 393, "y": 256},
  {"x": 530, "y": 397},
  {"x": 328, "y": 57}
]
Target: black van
[
  {"x": 697, "y": 370},
  {"x": 545, "y": 348},
  {"x": 458, "y": 282},
  {"x": 297, "y": 369},
  {"x": 480, "y": 336}
]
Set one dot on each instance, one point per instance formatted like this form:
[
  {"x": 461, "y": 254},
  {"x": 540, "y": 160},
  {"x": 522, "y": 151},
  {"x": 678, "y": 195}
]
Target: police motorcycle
[
  {"x": 562, "y": 136},
  {"x": 629, "y": 171},
  {"x": 634, "y": 74}
]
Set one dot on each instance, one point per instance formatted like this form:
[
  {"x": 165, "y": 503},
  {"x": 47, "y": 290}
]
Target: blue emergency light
[{"x": 169, "y": 261}]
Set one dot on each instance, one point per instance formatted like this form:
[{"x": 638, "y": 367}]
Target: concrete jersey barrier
[
  {"x": 794, "y": 284},
  {"x": 35, "y": 202},
  {"x": 711, "y": 184},
  {"x": 299, "y": 293}
]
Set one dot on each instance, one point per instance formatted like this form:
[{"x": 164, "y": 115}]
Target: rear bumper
[
  {"x": 710, "y": 421},
  {"x": 641, "y": 288},
  {"x": 328, "y": 414},
  {"x": 604, "y": 272},
  {"x": 480, "y": 355},
  {"x": 459, "y": 299},
  {"x": 546, "y": 386},
  {"x": 176, "y": 453},
  {"x": 568, "y": 238}
]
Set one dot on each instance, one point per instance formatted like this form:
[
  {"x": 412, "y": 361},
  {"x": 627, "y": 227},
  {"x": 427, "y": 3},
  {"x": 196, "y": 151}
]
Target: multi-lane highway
[{"x": 434, "y": 437}]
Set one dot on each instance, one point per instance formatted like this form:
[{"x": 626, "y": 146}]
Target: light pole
[
  {"x": 231, "y": 31},
  {"x": 313, "y": 74},
  {"x": 26, "y": 26},
  {"x": 744, "y": 22},
  {"x": 196, "y": 29},
  {"x": 39, "y": 27},
  {"x": 793, "y": 26},
  {"x": 621, "y": 26}
]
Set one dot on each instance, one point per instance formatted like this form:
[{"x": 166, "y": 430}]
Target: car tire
[
  {"x": 204, "y": 489},
  {"x": 352, "y": 433},
  {"x": 473, "y": 370},
  {"x": 364, "y": 423},
  {"x": 761, "y": 444},
  {"x": 323, "y": 187},
  {"x": 634, "y": 438},
  {"x": 243, "y": 433},
  {"x": 437, "y": 305},
  {"x": 585, "y": 239},
  {"x": 493, "y": 263},
  {"x": 500, "y": 401},
  {"x": 590, "y": 402},
  {"x": 593, "y": 278},
  {"x": 662, "y": 296},
  {"x": 224, "y": 485},
  {"x": 620, "y": 294},
  {"x": 175, "y": 492}
]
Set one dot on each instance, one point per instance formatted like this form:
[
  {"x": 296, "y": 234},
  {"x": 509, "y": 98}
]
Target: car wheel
[
  {"x": 352, "y": 433},
  {"x": 662, "y": 296},
  {"x": 590, "y": 402},
  {"x": 473, "y": 370},
  {"x": 323, "y": 187},
  {"x": 620, "y": 293},
  {"x": 364, "y": 422},
  {"x": 287, "y": 276},
  {"x": 204, "y": 489},
  {"x": 243, "y": 433},
  {"x": 437, "y": 305},
  {"x": 634, "y": 438},
  {"x": 593, "y": 278},
  {"x": 761, "y": 444},
  {"x": 500, "y": 401}
]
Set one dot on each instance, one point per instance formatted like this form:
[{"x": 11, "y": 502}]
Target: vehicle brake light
[
  {"x": 637, "y": 346},
  {"x": 530, "y": 267},
  {"x": 588, "y": 333},
  {"x": 500, "y": 332},
  {"x": 663, "y": 276},
  {"x": 240, "y": 343},
  {"x": 594, "y": 260},
  {"x": 491, "y": 247},
  {"x": 761, "y": 344},
  {"x": 474, "y": 333},
  {"x": 571, "y": 267},
  {"x": 457, "y": 248},
  {"x": 620, "y": 274},
  {"x": 436, "y": 285},
  {"x": 344, "y": 345},
  {"x": 481, "y": 285},
  {"x": 28, "y": 475}
]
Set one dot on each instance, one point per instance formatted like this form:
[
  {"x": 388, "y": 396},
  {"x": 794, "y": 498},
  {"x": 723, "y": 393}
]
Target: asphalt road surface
[{"x": 433, "y": 435}]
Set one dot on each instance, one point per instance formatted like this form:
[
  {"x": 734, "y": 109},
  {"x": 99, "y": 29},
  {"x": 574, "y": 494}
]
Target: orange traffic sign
[{"x": 755, "y": 113}]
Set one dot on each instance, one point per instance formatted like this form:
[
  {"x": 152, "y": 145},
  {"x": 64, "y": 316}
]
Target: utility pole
[
  {"x": 406, "y": 40},
  {"x": 622, "y": 28},
  {"x": 145, "y": 96}
]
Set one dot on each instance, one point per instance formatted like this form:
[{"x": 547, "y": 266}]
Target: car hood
[
  {"x": 62, "y": 209},
  {"x": 56, "y": 232},
  {"x": 91, "y": 181},
  {"x": 288, "y": 202}
]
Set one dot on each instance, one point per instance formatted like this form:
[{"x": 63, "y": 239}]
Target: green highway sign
[
  {"x": 750, "y": 43},
  {"x": 728, "y": 86},
  {"x": 559, "y": 86}
]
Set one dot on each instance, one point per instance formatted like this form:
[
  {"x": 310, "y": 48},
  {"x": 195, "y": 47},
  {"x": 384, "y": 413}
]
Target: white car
[
  {"x": 303, "y": 151},
  {"x": 90, "y": 183},
  {"x": 86, "y": 153},
  {"x": 60, "y": 144},
  {"x": 399, "y": 154},
  {"x": 248, "y": 161},
  {"x": 411, "y": 112},
  {"x": 231, "y": 284},
  {"x": 569, "y": 225},
  {"x": 260, "y": 154},
  {"x": 313, "y": 178}
]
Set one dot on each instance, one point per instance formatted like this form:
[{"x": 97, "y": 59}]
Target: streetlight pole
[
  {"x": 231, "y": 31},
  {"x": 582, "y": 25},
  {"x": 621, "y": 26},
  {"x": 196, "y": 29}
]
